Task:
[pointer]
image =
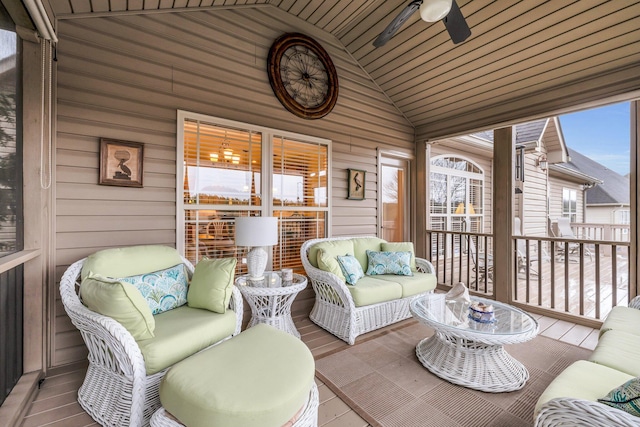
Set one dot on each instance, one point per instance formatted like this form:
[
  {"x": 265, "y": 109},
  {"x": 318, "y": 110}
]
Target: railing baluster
[
  {"x": 598, "y": 296},
  {"x": 614, "y": 276},
  {"x": 581, "y": 247},
  {"x": 552, "y": 249},
  {"x": 566, "y": 277},
  {"x": 539, "y": 272}
]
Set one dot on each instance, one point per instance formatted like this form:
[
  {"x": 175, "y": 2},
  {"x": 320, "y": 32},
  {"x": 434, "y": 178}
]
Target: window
[
  {"x": 11, "y": 233},
  {"x": 569, "y": 204},
  {"x": 456, "y": 195},
  {"x": 232, "y": 169}
]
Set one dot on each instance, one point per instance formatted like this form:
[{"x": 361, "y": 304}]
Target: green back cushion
[
  {"x": 182, "y": 332},
  {"x": 335, "y": 247},
  {"x": 327, "y": 255},
  {"x": 625, "y": 397},
  {"x": 401, "y": 247},
  {"x": 163, "y": 290},
  {"x": 130, "y": 261},
  {"x": 261, "y": 377},
  {"x": 360, "y": 247},
  {"x": 211, "y": 284},
  {"x": 120, "y": 301}
]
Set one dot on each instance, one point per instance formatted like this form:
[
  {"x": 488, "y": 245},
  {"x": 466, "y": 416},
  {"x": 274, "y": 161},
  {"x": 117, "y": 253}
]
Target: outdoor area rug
[{"x": 384, "y": 382}]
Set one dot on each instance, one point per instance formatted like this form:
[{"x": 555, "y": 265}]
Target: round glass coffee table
[
  {"x": 469, "y": 353},
  {"x": 270, "y": 299}
]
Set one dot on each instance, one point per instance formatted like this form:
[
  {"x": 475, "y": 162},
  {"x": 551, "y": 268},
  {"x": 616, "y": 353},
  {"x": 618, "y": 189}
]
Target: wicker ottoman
[{"x": 263, "y": 377}]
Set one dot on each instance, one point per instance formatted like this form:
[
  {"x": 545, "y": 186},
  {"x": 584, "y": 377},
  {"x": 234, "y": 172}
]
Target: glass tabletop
[
  {"x": 436, "y": 310},
  {"x": 271, "y": 279}
]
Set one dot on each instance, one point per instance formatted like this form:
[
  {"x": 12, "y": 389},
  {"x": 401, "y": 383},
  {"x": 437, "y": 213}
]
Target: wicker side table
[{"x": 270, "y": 299}]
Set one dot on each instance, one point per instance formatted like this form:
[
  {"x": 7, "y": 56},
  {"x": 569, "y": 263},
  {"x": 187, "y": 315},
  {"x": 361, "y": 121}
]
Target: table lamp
[{"x": 256, "y": 232}]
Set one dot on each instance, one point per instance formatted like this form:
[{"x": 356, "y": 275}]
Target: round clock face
[{"x": 302, "y": 76}]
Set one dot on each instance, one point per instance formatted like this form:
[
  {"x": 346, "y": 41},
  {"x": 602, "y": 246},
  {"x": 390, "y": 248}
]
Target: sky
[{"x": 602, "y": 134}]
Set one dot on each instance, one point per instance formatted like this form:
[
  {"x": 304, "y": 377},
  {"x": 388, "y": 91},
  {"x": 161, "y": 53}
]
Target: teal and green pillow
[
  {"x": 351, "y": 268},
  {"x": 626, "y": 397},
  {"x": 401, "y": 247},
  {"x": 120, "y": 301},
  {"x": 163, "y": 290},
  {"x": 212, "y": 284},
  {"x": 398, "y": 263}
]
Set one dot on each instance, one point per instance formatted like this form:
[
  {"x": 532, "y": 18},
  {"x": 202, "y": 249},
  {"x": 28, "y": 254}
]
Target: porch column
[
  {"x": 503, "y": 158},
  {"x": 634, "y": 206},
  {"x": 421, "y": 204}
]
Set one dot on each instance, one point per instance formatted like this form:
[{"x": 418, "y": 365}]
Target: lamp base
[{"x": 257, "y": 262}]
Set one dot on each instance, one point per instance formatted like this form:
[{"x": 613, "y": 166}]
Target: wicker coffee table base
[{"x": 471, "y": 364}]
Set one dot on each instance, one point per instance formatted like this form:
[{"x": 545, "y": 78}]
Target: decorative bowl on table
[{"x": 481, "y": 312}]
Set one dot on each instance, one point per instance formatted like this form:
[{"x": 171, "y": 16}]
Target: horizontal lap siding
[{"x": 125, "y": 77}]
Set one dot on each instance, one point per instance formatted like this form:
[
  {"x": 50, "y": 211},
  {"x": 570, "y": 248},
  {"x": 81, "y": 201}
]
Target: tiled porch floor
[{"x": 55, "y": 404}]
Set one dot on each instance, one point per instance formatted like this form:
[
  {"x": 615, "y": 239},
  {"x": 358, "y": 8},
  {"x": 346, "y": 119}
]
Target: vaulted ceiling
[{"x": 524, "y": 58}]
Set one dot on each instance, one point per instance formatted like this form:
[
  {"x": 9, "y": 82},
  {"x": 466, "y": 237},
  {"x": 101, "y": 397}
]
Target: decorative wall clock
[{"x": 302, "y": 76}]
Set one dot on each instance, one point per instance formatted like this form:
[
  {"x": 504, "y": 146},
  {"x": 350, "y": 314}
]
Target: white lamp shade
[
  {"x": 256, "y": 231},
  {"x": 435, "y": 10}
]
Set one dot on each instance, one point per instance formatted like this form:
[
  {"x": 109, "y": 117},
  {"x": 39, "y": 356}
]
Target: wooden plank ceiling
[{"x": 517, "y": 48}]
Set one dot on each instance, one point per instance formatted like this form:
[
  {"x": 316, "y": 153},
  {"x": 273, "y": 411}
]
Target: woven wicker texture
[
  {"x": 308, "y": 417},
  {"x": 566, "y": 411},
  {"x": 334, "y": 309},
  {"x": 272, "y": 305},
  {"x": 116, "y": 390},
  {"x": 471, "y": 354}
]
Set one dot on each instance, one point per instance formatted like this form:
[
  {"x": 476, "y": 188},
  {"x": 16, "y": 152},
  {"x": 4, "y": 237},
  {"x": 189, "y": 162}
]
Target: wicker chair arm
[
  {"x": 237, "y": 306},
  {"x": 109, "y": 343},
  {"x": 425, "y": 266},
  {"x": 579, "y": 412},
  {"x": 635, "y": 303}
]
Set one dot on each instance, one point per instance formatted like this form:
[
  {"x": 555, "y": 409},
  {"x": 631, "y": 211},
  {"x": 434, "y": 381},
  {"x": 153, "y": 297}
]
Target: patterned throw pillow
[
  {"x": 351, "y": 268},
  {"x": 398, "y": 263},
  {"x": 164, "y": 289},
  {"x": 626, "y": 397}
]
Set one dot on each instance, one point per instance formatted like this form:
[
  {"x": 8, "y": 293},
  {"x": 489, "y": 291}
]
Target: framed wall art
[
  {"x": 355, "y": 184},
  {"x": 121, "y": 163}
]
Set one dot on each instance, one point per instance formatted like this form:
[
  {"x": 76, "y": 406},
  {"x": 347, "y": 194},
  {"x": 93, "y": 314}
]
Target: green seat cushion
[
  {"x": 181, "y": 332},
  {"x": 120, "y": 301},
  {"x": 401, "y": 247},
  {"x": 360, "y": 247},
  {"x": 335, "y": 247},
  {"x": 211, "y": 284},
  {"x": 260, "y": 378},
  {"x": 412, "y": 285},
  {"x": 583, "y": 380},
  {"x": 129, "y": 261},
  {"x": 371, "y": 290},
  {"x": 622, "y": 319},
  {"x": 618, "y": 350}
]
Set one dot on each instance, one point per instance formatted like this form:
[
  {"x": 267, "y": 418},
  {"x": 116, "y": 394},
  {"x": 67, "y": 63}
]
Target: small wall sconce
[{"x": 543, "y": 163}]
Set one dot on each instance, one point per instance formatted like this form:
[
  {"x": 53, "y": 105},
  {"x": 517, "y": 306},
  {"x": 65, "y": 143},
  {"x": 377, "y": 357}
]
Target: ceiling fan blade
[
  {"x": 456, "y": 24},
  {"x": 395, "y": 25}
]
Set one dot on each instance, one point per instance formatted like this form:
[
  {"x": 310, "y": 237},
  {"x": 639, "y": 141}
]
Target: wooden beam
[
  {"x": 503, "y": 158},
  {"x": 634, "y": 266}
]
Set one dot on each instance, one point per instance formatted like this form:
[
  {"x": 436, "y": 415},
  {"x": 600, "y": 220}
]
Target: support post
[{"x": 503, "y": 160}]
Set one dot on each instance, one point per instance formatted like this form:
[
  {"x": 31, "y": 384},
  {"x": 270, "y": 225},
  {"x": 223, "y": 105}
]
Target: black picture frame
[
  {"x": 356, "y": 184},
  {"x": 121, "y": 163}
]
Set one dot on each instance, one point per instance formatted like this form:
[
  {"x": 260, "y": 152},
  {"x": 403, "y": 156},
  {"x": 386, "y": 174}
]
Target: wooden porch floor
[{"x": 55, "y": 404}]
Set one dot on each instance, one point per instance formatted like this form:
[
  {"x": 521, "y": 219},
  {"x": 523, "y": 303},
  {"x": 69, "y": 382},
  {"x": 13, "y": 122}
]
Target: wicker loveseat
[
  {"x": 572, "y": 397},
  {"x": 123, "y": 378},
  {"x": 374, "y": 302}
]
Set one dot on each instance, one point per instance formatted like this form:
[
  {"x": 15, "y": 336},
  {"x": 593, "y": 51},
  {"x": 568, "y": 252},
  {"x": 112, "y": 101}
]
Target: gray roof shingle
[{"x": 614, "y": 188}]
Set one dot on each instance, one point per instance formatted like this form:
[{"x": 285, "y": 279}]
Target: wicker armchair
[
  {"x": 565, "y": 411},
  {"x": 335, "y": 310},
  {"x": 116, "y": 390}
]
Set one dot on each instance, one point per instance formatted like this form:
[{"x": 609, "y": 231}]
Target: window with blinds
[
  {"x": 299, "y": 198},
  {"x": 226, "y": 174}
]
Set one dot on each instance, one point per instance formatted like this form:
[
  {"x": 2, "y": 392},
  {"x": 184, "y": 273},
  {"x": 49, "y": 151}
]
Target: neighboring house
[{"x": 547, "y": 186}]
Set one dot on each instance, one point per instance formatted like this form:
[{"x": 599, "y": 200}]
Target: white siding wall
[
  {"x": 125, "y": 77},
  {"x": 534, "y": 211}
]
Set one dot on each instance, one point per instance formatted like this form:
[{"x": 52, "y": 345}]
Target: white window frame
[
  {"x": 463, "y": 174},
  {"x": 267, "y": 208},
  {"x": 569, "y": 213}
]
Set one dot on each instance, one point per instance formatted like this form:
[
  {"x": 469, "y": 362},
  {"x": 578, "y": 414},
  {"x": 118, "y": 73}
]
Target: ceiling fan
[{"x": 430, "y": 11}]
